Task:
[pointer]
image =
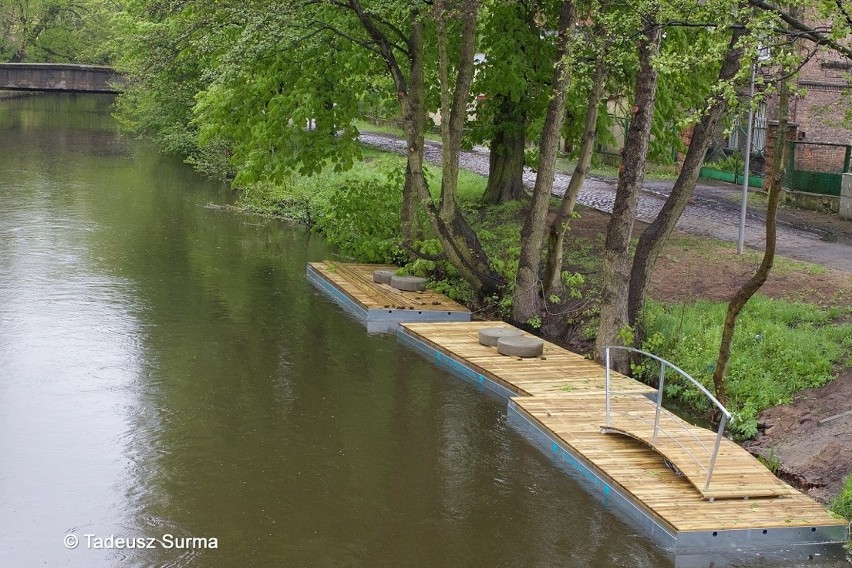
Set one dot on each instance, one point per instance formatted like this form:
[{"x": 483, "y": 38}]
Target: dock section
[
  {"x": 558, "y": 401},
  {"x": 380, "y": 307}
]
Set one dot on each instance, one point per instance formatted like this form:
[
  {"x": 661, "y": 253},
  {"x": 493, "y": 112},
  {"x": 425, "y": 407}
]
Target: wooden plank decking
[
  {"x": 356, "y": 280},
  {"x": 639, "y": 471},
  {"x": 564, "y": 394},
  {"x": 557, "y": 371}
]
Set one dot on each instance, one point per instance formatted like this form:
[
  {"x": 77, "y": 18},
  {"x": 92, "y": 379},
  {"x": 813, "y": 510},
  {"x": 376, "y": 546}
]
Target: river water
[{"x": 166, "y": 372}]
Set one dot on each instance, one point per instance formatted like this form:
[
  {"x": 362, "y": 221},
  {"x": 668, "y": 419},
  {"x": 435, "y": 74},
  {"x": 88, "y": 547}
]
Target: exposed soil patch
[
  {"x": 811, "y": 438},
  {"x": 692, "y": 268}
]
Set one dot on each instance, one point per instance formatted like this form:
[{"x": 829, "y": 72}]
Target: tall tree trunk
[
  {"x": 453, "y": 130},
  {"x": 413, "y": 105},
  {"x": 657, "y": 233},
  {"x": 525, "y": 297},
  {"x": 447, "y": 205},
  {"x": 506, "y": 158},
  {"x": 461, "y": 246},
  {"x": 613, "y": 317},
  {"x": 754, "y": 283},
  {"x": 559, "y": 226}
]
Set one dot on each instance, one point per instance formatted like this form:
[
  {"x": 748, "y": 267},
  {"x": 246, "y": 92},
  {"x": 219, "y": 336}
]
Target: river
[{"x": 168, "y": 377}]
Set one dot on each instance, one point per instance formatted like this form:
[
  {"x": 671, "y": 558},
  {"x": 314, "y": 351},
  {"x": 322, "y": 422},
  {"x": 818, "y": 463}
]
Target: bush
[
  {"x": 362, "y": 220},
  {"x": 358, "y": 211},
  {"x": 779, "y": 348},
  {"x": 733, "y": 163}
]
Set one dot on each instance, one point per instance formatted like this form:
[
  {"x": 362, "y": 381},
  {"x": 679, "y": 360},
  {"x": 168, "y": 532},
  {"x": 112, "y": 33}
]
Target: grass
[
  {"x": 779, "y": 349},
  {"x": 842, "y": 504}
]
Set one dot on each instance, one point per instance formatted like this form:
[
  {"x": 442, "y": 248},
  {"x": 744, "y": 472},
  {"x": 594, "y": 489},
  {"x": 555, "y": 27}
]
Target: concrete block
[{"x": 490, "y": 335}]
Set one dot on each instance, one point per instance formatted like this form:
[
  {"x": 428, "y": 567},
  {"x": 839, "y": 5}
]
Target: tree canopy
[
  {"x": 263, "y": 90},
  {"x": 56, "y": 31}
]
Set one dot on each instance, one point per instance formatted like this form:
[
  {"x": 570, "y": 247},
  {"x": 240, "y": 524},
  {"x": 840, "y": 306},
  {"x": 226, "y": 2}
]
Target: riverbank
[{"x": 791, "y": 337}]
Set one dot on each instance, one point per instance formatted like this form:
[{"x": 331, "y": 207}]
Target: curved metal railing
[{"x": 727, "y": 417}]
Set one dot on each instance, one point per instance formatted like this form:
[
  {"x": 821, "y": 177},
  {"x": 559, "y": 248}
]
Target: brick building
[
  {"x": 820, "y": 129},
  {"x": 821, "y": 110}
]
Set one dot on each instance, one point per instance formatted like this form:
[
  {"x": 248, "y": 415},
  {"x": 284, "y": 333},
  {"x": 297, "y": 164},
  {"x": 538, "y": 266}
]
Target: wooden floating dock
[
  {"x": 378, "y": 306},
  {"x": 558, "y": 401}
]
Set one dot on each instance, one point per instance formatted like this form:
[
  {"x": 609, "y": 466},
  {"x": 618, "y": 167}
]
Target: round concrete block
[
  {"x": 520, "y": 346},
  {"x": 382, "y": 276},
  {"x": 489, "y": 335},
  {"x": 408, "y": 283}
]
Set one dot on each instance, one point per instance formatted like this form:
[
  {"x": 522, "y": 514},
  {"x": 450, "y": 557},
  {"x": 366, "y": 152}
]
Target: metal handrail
[
  {"x": 672, "y": 438},
  {"x": 726, "y": 415}
]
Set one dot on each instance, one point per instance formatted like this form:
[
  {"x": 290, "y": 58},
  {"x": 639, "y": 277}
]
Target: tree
[
  {"x": 559, "y": 226},
  {"x": 834, "y": 31},
  {"x": 655, "y": 235},
  {"x": 55, "y": 31},
  {"x": 261, "y": 101},
  {"x": 793, "y": 30},
  {"x": 513, "y": 79},
  {"x": 753, "y": 284},
  {"x": 166, "y": 52},
  {"x": 613, "y": 315},
  {"x": 525, "y": 298}
]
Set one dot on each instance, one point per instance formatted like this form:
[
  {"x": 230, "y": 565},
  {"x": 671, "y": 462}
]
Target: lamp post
[{"x": 746, "y": 164}]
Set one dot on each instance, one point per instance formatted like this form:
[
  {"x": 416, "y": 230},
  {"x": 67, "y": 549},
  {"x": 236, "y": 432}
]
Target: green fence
[
  {"x": 815, "y": 167},
  {"x": 710, "y": 172}
]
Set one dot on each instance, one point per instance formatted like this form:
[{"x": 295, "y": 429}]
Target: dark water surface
[{"x": 165, "y": 369}]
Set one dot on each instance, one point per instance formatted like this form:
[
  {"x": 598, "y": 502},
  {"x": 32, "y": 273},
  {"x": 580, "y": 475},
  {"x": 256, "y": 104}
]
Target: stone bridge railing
[{"x": 61, "y": 77}]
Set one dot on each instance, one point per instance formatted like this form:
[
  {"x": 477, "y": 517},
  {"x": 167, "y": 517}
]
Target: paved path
[{"x": 710, "y": 213}]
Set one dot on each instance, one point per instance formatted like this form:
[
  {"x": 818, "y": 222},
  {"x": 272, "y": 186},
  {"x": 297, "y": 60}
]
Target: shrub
[{"x": 362, "y": 220}]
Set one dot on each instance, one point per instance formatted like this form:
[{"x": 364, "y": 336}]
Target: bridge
[{"x": 60, "y": 77}]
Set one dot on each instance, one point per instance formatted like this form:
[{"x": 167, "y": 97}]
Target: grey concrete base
[
  {"x": 382, "y": 276},
  {"x": 687, "y": 548},
  {"x": 379, "y": 320},
  {"x": 408, "y": 283},
  {"x": 520, "y": 346},
  {"x": 489, "y": 336}
]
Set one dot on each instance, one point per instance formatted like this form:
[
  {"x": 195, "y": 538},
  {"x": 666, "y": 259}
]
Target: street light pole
[{"x": 746, "y": 160}]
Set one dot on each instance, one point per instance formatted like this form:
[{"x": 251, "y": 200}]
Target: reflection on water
[{"x": 165, "y": 369}]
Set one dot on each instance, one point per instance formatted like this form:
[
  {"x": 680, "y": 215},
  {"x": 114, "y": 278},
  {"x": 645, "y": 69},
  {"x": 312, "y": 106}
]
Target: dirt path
[{"x": 712, "y": 212}]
